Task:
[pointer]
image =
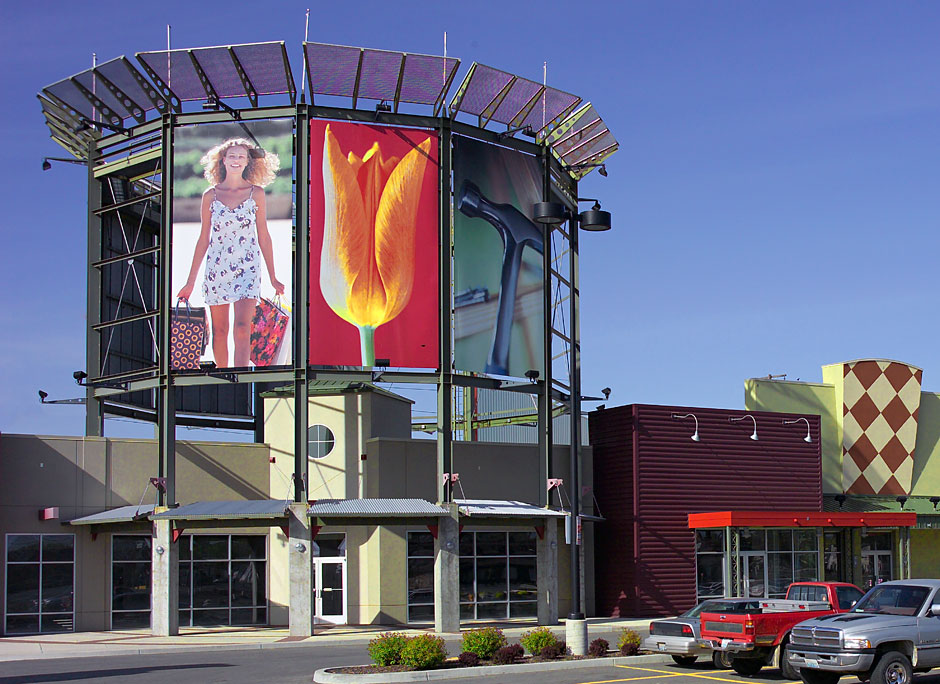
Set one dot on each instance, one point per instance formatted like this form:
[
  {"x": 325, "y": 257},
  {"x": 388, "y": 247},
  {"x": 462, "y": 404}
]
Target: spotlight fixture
[
  {"x": 79, "y": 376},
  {"x": 840, "y": 499},
  {"x": 553, "y": 213},
  {"x": 383, "y": 106},
  {"x": 732, "y": 419},
  {"x": 601, "y": 168},
  {"x": 902, "y": 500},
  {"x": 681, "y": 416},
  {"x": 509, "y": 132},
  {"x": 606, "y": 393},
  {"x": 84, "y": 124},
  {"x": 47, "y": 162},
  {"x": 383, "y": 363},
  {"x": 214, "y": 104},
  {"x": 808, "y": 438},
  {"x": 532, "y": 375},
  {"x": 935, "y": 500},
  {"x": 207, "y": 365},
  {"x": 42, "y": 396}
]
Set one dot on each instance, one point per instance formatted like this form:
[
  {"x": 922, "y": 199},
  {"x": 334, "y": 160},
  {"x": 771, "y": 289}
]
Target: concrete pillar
[
  {"x": 165, "y": 582},
  {"x": 300, "y": 572},
  {"x": 547, "y": 573},
  {"x": 446, "y": 573}
]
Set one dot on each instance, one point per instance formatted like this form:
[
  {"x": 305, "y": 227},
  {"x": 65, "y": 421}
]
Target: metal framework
[{"x": 122, "y": 120}]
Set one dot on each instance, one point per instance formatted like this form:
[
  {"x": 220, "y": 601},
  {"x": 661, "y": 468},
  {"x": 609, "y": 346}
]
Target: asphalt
[{"x": 131, "y": 642}]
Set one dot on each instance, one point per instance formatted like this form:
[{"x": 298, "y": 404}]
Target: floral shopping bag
[
  {"x": 268, "y": 330},
  {"x": 189, "y": 334}
]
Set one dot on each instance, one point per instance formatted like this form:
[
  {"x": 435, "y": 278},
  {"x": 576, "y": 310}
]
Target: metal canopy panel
[
  {"x": 344, "y": 71},
  {"x": 261, "y": 509},
  {"x": 123, "y": 74},
  {"x": 66, "y": 92},
  {"x": 374, "y": 508},
  {"x": 492, "y": 508},
  {"x": 265, "y": 66},
  {"x": 582, "y": 138},
  {"x": 495, "y": 95},
  {"x": 116, "y": 515}
]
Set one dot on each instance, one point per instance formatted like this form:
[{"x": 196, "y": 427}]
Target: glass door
[
  {"x": 876, "y": 568},
  {"x": 755, "y": 574},
  {"x": 329, "y": 579}
]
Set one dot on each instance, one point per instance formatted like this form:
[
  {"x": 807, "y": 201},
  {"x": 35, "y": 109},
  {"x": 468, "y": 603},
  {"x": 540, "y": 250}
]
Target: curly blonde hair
[{"x": 261, "y": 169}]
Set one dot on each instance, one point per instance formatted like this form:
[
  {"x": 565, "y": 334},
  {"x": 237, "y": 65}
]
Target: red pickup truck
[{"x": 760, "y": 638}]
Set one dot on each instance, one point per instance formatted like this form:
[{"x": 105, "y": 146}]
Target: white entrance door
[
  {"x": 329, "y": 591},
  {"x": 755, "y": 574}
]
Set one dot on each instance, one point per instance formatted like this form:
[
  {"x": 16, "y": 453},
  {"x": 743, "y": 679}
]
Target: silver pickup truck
[{"x": 892, "y": 632}]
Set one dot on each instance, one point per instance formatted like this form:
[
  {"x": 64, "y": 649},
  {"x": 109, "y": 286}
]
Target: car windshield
[
  {"x": 893, "y": 599},
  {"x": 722, "y": 606}
]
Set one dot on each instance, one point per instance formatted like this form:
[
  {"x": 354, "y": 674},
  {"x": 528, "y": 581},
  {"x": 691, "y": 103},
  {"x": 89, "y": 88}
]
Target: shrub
[
  {"x": 629, "y": 641},
  {"x": 508, "y": 654},
  {"x": 598, "y": 648},
  {"x": 386, "y": 648},
  {"x": 537, "y": 639},
  {"x": 423, "y": 651},
  {"x": 468, "y": 659},
  {"x": 552, "y": 651},
  {"x": 483, "y": 642}
]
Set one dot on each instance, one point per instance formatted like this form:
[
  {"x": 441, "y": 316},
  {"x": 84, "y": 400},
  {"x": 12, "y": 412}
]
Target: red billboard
[{"x": 374, "y": 212}]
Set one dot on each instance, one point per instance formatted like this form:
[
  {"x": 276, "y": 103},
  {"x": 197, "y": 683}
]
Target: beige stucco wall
[
  {"x": 808, "y": 398},
  {"x": 88, "y": 475},
  {"x": 925, "y": 553}
]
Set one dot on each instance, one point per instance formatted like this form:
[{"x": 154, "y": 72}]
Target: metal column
[
  {"x": 94, "y": 409},
  {"x": 301, "y": 291}
]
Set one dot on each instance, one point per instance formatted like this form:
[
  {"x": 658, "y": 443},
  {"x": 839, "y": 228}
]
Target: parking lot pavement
[{"x": 668, "y": 673}]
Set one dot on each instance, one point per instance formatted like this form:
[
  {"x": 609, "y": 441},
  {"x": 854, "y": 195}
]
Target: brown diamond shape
[
  {"x": 919, "y": 374},
  {"x": 893, "y": 487},
  {"x": 898, "y": 375},
  {"x": 864, "y": 411},
  {"x": 860, "y": 486},
  {"x": 866, "y": 372},
  {"x": 896, "y": 413},
  {"x": 846, "y": 369},
  {"x": 894, "y": 454},
  {"x": 863, "y": 452}
]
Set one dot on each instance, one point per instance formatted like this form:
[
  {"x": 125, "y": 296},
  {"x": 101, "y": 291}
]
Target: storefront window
[
  {"x": 832, "y": 557},
  {"x": 752, "y": 540},
  {"x": 40, "y": 583},
  {"x": 223, "y": 580},
  {"x": 791, "y": 557},
  {"x": 130, "y": 581},
  {"x": 709, "y": 563},
  {"x": 498, "y": 575}
]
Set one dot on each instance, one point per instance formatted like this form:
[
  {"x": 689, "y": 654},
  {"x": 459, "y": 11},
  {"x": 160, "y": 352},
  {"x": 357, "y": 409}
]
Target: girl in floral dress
[{"x": 233, "y": 240}]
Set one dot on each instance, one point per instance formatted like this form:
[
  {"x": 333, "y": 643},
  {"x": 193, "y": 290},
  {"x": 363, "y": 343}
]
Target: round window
[{"x": 320, "y": 441}]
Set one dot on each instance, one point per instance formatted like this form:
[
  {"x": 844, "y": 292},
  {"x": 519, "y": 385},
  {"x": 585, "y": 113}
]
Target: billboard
[
  {"x": 498, "y": 279},
  {"x": 231, "y": 258},
  {"x": 374, "y": 246}
]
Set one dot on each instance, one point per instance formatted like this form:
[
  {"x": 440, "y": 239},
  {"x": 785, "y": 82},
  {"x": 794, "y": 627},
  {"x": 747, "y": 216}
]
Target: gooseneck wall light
[
  {"x": 808, "y": 437},
  {"x": 681, "y": 416},
  {"x": 737, "y": 419}
]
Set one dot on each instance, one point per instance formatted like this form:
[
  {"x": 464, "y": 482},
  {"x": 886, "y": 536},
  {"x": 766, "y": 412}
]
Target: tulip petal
[
  {"x": 347, "y": 240},
  {"x": 395, "y": 228}
]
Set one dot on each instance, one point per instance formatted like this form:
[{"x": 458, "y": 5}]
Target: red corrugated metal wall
[{"x": 675, "y": 476}]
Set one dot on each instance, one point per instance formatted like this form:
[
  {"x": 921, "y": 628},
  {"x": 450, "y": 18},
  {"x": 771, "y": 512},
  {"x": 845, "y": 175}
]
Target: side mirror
[{"x": 935, "y": 610}]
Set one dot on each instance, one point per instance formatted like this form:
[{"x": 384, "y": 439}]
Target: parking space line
[
  {"x": 631, "y": 679},
  {"x": 686, "y": 674}
]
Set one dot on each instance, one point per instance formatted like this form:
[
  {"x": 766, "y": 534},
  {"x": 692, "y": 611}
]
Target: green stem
[{"x": 367, "y": 344}]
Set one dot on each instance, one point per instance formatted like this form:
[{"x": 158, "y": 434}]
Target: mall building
[{"x": 77, "y": 524}]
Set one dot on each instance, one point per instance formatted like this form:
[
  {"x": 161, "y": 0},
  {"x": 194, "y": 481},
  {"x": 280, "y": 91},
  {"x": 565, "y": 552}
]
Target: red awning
[{"x": 800, "y": 519}]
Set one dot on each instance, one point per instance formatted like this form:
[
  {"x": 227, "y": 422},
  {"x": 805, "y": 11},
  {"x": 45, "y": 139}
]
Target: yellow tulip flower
[{"x": 367, "y": 264}]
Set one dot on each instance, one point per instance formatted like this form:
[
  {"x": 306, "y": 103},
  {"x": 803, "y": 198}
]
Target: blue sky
[{"x": 775, "y": 198}]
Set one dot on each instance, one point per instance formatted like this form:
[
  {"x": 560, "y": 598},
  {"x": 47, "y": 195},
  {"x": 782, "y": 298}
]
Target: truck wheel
[
  {"x": 786, "y": 669},
  {"x": 685, "y": 661},
  {"x": 747, "y": 667},
  {"x": 721, "y": 660},
  {"x": 818, "y": 676},
  {"x": 892, "y": 668}
]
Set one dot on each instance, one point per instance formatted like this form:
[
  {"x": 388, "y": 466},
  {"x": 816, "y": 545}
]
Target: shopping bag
[
  {"x": 189, "y": 334},
  {"x": 268, "y": 330}
]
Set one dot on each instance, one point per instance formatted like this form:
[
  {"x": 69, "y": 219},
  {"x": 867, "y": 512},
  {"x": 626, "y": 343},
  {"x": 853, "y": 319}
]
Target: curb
[{"x": 325, "y": 676}]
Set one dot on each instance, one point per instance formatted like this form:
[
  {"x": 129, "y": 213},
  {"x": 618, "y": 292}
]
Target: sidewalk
[{"x": 133, "y": 642}]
